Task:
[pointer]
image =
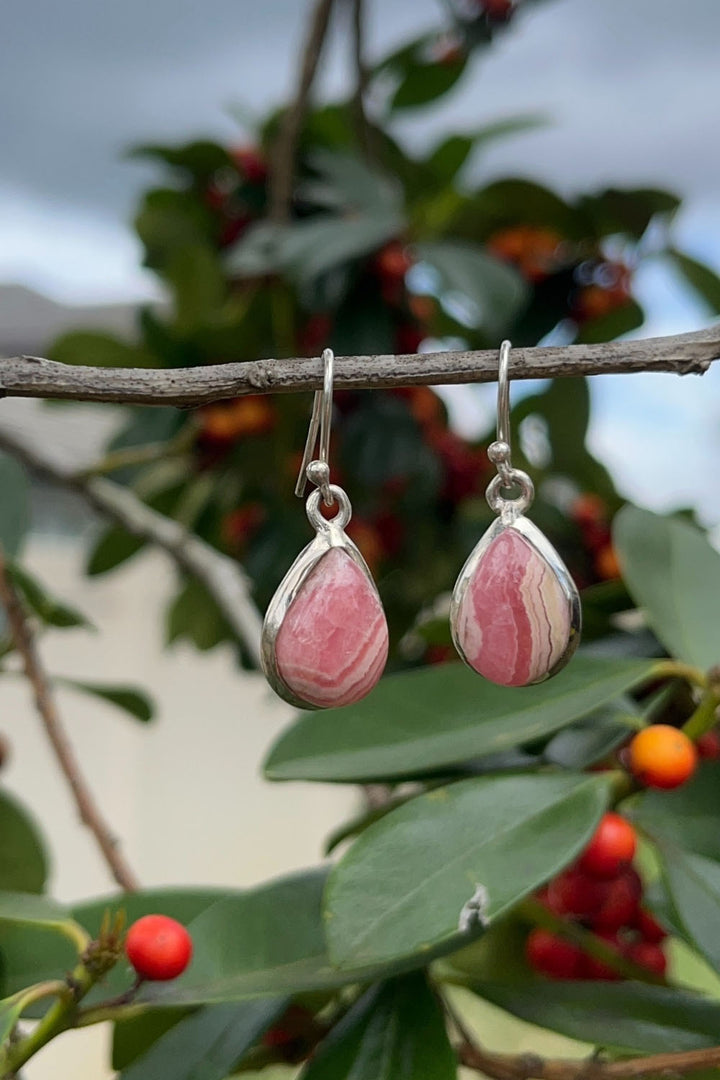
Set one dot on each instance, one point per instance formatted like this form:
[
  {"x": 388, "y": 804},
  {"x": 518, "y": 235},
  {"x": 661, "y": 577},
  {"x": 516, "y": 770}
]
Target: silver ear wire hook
[
  {"x": 500, "y": 452},
  {"x": 317, "y": 470}
]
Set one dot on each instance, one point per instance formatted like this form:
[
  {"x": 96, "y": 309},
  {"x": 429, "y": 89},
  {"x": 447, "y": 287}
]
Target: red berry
[
  {"x": 611, "y": 848},
  {"x": 648, "y": 926},
  {"x": 620, "y": 904},
  {"x": 708, "y": 746},
  {"x": 649, "y": 956},
  {"x": 591, "y": 968},
  {"x": 158, "y": 947},
  {"x": 550, "y": 955},
  {"x": 574, "y": 893}
]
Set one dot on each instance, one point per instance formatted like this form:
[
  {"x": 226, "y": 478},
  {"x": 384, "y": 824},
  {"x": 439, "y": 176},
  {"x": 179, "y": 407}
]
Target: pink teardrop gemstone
[
  {"x": 515, "y": 619},
  {"x": 333, "y": 643}
]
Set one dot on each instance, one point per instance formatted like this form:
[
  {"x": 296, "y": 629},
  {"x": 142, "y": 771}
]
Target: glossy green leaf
[
  {"x": 207, "y": 1044},
  {"x": 194, "y": 614},
  {"x": 451, "y": 153},
  {"x": 628, "y": 211},
  {"x": 51, "y": 611},
  {"x": 426, "y": 720},
  {"x": 496, "y": 291},
  {"x": 194, "y": 274},
  {"x": 128, "y": 698},
  {"x": 23, "y": 863},
  {"x": 693, "y": 883},
  {"x": 686, "y": 817},
  {"x": 265, "y": 942},
  {"x": 200, "y": 158},
  {"x": 628, "y": 1015},
  {"x": 704, "y": 281},
  {"x": 425, "y": 80},
  {"x": 399, "y": 890},
  {"x": 673, "y": 574},
  {"x": 114, "y": 547},
  {"x": 396, "y": 1031},
  {"x": 15, "y": 506}
]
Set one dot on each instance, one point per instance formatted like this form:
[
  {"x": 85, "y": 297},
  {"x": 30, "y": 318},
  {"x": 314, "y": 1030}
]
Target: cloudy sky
[{"x": 632, "y": 89}]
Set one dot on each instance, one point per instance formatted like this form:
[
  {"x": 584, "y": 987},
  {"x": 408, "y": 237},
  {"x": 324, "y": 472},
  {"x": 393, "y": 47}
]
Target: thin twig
[
  {"x": 223, "y": 578},
  {"x": 361, "y": 78},
  {"x": 282, "y": 173},
  {"x": 27, "y": 376},
  {"x": 90, "y": 813},
  {"x": 530, "y": 1066}
]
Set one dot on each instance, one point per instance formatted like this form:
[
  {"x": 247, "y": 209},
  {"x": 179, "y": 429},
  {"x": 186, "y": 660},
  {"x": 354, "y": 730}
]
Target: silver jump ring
[
  {"x": 517, "y": 477},
  {"x": 316, "y": 519}
]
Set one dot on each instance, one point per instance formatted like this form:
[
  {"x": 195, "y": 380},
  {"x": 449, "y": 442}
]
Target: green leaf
[
  {"x": 51, "y": 611},
  {"x": 425, "y": 81},
  {"x": 628, "y": 211},
  {"x": 673, "y": 574},
  {"x": 594, "y": 737},
  {"x": 15, "y": 509},
  {"x": 425, "y": 720},
  {"x": 621, "y": 320},
  {"x": 128, "y": 698},
  {"x": 686, "y": 817},
  {"x": 200, "y": 158},
  {"x": 704, "y": 281},
  {"x": 23, "y": 863},
  {"x": 693, "y": 883},
  {"x": 628, "y": 1015},
  {"x": 194, "y": 615},
  {"x": 114, "y": 547},
  {"x": 90, "y": 348},
  {"x": 195, "y": 275},
  {"x": 399, "y": 890},
  {"x": 134, "y": 1036},
  {"x": 496, "y": 291},
  {"x": 264, "y": 942},
  {"x": 451, "y": 153},
  {"x": 27, "y": 909},
  {"x": 517, "y": 202},
  {"x": 352, "y": 184},
  {"x": 396, "y": 1031},
  {"x": 207, "y": 1044}
]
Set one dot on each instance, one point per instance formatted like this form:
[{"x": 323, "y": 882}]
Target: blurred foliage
[{"x": 387, "y": 250}]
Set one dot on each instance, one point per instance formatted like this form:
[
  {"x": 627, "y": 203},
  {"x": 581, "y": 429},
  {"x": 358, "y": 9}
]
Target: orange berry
[
  {"x": 588, "y": 509},
  {"x": 648, "y": 956},
  {"x": 662, "y": 757},
  {"x": 574, "y": 893},
  {"x": 606, "y": 563},
  {"x": 620, "y": 904},
  {"x": 649, "y": 928},
  {"x": 611, "y": 848},
  {"x": 230, "y": 420}
]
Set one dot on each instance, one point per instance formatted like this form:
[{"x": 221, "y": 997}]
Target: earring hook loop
[
  {"x": 503, "y": 401},
  {"x": 317, "y": 470}
]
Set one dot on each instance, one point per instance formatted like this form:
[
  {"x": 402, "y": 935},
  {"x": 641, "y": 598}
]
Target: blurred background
[{"x": 555, "y": 161}]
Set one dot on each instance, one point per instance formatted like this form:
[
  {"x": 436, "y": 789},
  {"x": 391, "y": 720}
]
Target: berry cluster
[{"x": 601, "y": 892}]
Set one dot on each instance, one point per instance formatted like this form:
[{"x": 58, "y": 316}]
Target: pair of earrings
[{"x": 514, "y": 614}]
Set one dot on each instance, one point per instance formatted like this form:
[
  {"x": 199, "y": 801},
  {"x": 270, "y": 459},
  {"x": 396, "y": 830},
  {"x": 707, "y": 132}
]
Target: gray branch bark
[
  {"x": 223, "y": 578},
  {"x": 28, "y": 376}
]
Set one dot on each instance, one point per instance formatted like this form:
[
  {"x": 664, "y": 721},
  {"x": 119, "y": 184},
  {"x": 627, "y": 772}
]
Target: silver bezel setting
[
  {"x": 329, "y": 534},
  {"x": 511, "y": 519}
]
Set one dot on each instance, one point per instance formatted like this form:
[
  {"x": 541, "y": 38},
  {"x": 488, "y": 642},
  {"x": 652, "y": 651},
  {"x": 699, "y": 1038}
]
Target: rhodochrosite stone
[
  {"x": 333, "y": 643},
  {"x": 514, "y": 621}
]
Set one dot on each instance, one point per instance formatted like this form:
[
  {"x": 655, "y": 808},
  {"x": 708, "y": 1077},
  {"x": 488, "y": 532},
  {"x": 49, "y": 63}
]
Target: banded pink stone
[
  {"x": 333, "y": 643},
  {"x": 514, "y": 621}
]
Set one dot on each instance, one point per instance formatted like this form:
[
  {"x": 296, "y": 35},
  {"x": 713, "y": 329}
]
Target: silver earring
[
  {"x": 325, "y": 636},
  {"x": 515, "y": 612}
]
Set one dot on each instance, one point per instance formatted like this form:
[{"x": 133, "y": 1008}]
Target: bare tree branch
[
  {"x": 282, "y": 173},
  {"x": 88, "y": 810},
  {"x": 361, "y": 78},
  {"x": 27, "y": 376},
  {"x": 530, "y": 1066},
  {"x": 223, "y": 578}
]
